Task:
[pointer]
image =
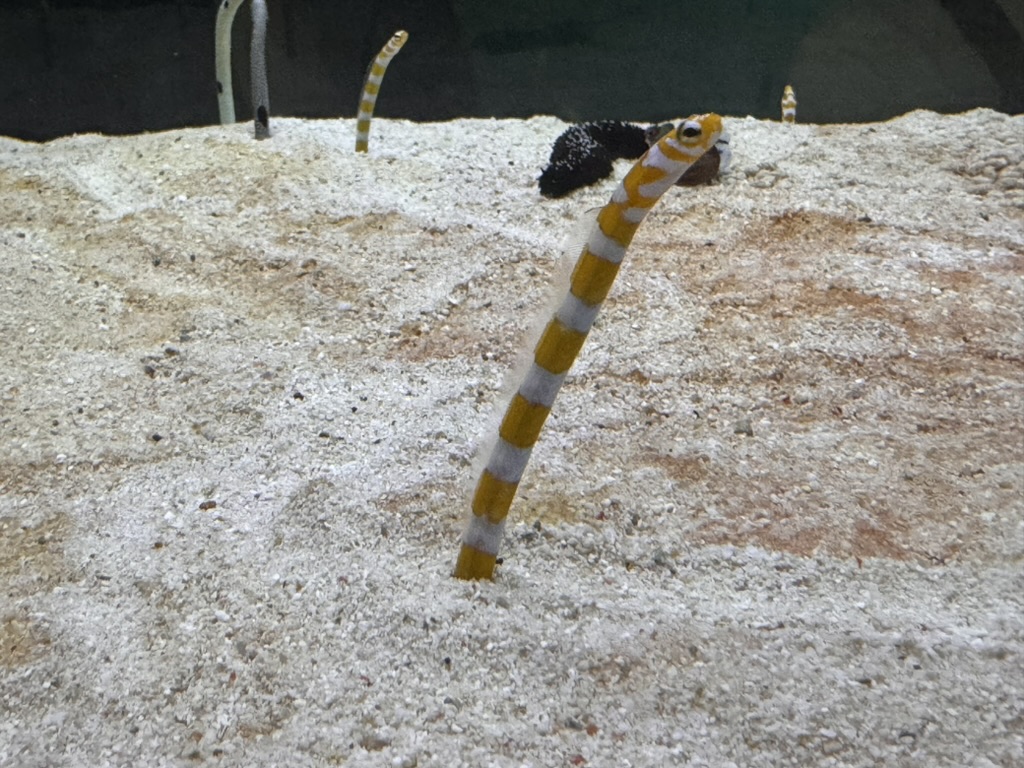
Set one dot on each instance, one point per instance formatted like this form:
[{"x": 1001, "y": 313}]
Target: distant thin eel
[
  {"x": 788, "y": 105},
  {"x": 371, "y": 87},
  {"x": 258, "y": 63},
  {"x": 225, "y": 95},
  {"x": 563, "y": 336}
]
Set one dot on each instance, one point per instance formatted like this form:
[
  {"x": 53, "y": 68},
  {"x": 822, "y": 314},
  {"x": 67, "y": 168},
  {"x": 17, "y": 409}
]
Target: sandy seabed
[{"x": 775, "y": 519}]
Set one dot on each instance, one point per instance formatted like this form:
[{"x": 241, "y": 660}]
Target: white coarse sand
[{"x": 775, "y": 519}]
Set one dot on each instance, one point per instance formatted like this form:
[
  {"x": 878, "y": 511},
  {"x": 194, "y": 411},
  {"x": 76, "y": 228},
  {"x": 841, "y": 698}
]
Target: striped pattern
[
  {"x": 371, "y": 87},
  {"x": 565, "y": 332},
  {"x": 788, "y": 105}
]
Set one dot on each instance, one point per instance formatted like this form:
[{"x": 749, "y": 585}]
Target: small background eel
[
  {"x": 222, "y": 42},
  {"x": 258, "y": 64},
  {"x": 371, "y": 87},
  {"x": 788, "y": 105}
]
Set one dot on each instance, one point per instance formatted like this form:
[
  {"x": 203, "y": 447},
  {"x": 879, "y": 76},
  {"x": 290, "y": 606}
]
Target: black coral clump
[{"x": 583, "y": 154}]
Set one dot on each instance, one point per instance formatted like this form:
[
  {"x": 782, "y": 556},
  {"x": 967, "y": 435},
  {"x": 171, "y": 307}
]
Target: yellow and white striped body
[
  {"x": 371, "y": 87},
  {"x": 788, "y": 105},
  {"x": 563, "y": 336}
]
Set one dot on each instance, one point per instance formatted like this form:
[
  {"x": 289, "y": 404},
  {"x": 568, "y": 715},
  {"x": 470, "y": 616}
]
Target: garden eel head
[
  {"x": 715, "y": 158},
  {"x": 699, "y": 131}
]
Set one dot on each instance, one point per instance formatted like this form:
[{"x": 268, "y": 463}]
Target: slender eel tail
[
  {"x": 258, "y": 64},
  {"x": 565, "y": 332},
  {"x": 222, "y": 44},
  {"x": 371, "y": 87}
]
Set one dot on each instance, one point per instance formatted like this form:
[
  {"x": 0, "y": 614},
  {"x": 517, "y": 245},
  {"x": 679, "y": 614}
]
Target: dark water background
[{"x": 116, "y": 66}]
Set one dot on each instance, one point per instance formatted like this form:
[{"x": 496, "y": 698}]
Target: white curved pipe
[{"x": 222, "y": 41}]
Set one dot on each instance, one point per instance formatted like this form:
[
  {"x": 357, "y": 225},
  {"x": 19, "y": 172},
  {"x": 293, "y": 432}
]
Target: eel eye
[{"x": 690, "y": 130}]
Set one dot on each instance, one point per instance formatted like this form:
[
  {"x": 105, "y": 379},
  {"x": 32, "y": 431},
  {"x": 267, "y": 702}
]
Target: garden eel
[
  {"x": 371, "y": 87},
  {"x": 563, "y": 336},
  {"x": 258, "y": 64},
  {"x": 788, "y": 105},
  {"x": 222, "y": 43}
]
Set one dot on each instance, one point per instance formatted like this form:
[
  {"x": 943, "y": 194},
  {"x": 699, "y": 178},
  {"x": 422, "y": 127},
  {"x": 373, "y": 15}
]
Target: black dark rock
[{"x": 583, "y": 155}]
